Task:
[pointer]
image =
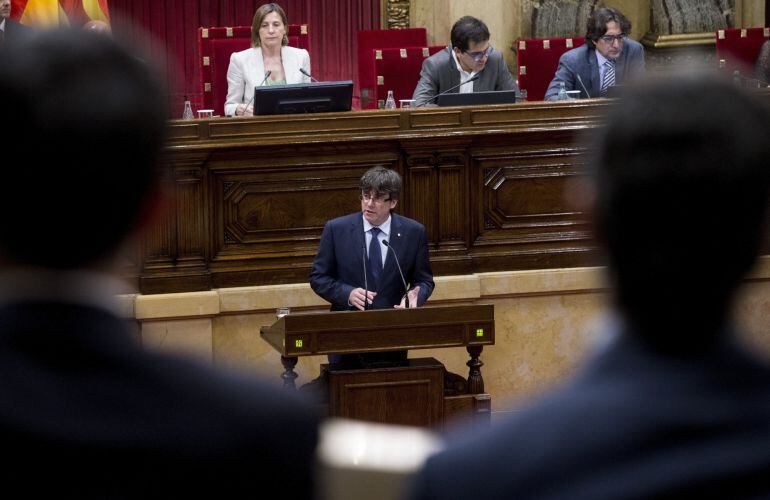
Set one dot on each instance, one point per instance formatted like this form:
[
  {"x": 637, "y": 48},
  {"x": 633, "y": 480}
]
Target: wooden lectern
[{"x": 417, "y": 392}]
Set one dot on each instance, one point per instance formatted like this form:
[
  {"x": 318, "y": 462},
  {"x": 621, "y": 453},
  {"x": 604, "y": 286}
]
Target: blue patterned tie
[
  {"x": 609, "y": 76},
  {"x": 375, "y": 256}
]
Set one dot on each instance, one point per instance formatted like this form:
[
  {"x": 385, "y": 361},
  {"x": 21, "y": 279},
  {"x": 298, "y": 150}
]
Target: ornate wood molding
[
  {"x": 397, "y": 14},
  {"x": 252, "y": 194}
]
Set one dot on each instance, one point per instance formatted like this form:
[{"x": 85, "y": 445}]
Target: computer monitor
[
  {"x": 303, "y": 98},
  {"x": 489, "y": 97}
]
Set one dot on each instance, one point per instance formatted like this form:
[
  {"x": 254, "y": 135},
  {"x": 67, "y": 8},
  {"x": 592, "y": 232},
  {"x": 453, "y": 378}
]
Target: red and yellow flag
[{"x": 49, "y": 13}]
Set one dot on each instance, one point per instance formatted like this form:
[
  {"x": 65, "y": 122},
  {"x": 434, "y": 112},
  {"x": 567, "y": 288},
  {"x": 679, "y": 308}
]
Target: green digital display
[
  {"x": 479, "y": 332},
  {"x": 298, "y": 343}
]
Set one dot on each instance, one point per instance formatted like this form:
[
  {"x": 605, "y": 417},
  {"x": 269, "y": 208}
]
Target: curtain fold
[{"x": 168, "y": 32}]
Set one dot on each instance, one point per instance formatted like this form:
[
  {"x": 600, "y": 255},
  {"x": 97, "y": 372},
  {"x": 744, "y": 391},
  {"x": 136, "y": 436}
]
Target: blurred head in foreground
[
  {"x": 85, "y": 120},
  {"x": 97, "y": 26},
  {"x": 681, "y": 191}
]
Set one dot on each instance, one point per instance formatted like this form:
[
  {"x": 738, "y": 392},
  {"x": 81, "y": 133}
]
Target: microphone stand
[
  {"x": 312, "y": 78},
  {"x": 267, "y": 75},
  {"x": 406, "y": 289},
  {"x": 583, "y": 85},
  {"x": 366, "y": 282}
]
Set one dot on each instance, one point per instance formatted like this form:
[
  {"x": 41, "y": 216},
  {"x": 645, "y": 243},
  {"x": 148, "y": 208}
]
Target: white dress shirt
[
  {"x": 383, "y": 235},
  {"x": 464, "y": 76},
  {"x": 602, "y": 68}
]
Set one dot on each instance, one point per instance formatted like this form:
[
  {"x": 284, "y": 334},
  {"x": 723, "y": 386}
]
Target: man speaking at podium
[{"x": 369, "y": 260}]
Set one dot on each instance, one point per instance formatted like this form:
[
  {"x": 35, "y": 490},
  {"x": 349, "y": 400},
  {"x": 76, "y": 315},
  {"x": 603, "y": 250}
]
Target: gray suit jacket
[
  {"x": 439, "y": 73},
  {"x": 582, "y": 61}
]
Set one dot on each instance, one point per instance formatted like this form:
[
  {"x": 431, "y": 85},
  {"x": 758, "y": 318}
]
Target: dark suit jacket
[
  {"x": 439, "y": 73},
  {"x": 582, "y": 61},
  {"x": 339, "y": 265},
  {"x": 635, "y": 424},
  {"x": 16, "y": 33},
  {"x": 86, "y": 412}
]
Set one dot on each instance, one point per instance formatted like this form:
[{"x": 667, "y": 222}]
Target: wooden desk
[
  {"x": 251, "y": 195},
  {"x": 419, "y": 392}
]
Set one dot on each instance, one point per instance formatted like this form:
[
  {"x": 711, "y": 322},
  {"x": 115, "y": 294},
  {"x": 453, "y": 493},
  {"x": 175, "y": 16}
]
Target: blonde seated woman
[{"x": 268, "y": 52}]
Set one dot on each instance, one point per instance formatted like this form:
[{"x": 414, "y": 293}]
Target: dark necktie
[{"x": 375, "y": 256}]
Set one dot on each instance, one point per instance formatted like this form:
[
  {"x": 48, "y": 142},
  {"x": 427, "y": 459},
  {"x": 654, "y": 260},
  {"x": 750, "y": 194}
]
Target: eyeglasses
[
  {"x": 478, "y": 56},
  {"x": 378, "y": 200},
  {"x": 611, "y": 38}
]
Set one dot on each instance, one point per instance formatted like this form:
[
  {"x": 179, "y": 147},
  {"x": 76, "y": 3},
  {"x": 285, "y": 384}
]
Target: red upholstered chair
[
  {"x": 214, "y": 48},
  {"x": 537, "y": 59},
  {"x": 737, "y": 49},
  {"x": 399, "y": 70},
  {"x": 367, "y": 41}
]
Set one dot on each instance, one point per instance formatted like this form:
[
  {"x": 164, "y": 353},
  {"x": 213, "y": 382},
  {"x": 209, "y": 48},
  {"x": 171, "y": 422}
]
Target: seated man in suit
[
  {"x": 85, "y": 412},
  {"x": 672, "y": 404},
  {"x": 607, "y": 58},
  {"x": 469, "y": 57}
]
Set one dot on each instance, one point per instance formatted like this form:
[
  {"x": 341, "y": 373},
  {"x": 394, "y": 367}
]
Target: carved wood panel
[{"x": 253, "y": 197}]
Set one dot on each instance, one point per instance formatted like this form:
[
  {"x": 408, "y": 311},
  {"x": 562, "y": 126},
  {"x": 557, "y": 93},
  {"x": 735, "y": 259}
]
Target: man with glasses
[
  {"x": 355, "y": 268},
  {"x": 608, "y": 58},
  {"x": 469, "y": 55}
]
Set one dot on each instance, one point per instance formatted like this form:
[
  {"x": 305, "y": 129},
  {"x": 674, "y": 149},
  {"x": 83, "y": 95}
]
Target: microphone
[
  {"x": 302, "y": 70},
  {"x": 267, "y": 75},
  {"x": 366, "y": 282},
  {"x": 473, "y": 79},
  {"x": 582, "y": 85},
  {"x": 406, "y": 289}
]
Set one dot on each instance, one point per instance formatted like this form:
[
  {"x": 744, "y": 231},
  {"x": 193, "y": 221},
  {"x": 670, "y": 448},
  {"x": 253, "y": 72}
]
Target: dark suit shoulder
[
  {"x": 346, "y": 220},
  {"x": 406, "y": 221},
  {"x": 80, "y": 395},
  {"x": 628, "y": 399},
  {"x": 577, "y": 54}
]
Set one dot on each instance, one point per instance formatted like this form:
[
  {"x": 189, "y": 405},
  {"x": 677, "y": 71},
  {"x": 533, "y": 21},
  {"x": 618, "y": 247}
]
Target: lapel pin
[{"x": 398, "y": 234}]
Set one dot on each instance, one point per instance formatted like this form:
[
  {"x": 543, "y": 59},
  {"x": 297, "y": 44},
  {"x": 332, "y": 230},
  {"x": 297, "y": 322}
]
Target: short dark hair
[
  {"x": 468, "y": 29},
  {"x": 382, "y": 182},
  {"x": 682, "y": 177},
  {"x": 87, "y": 120},
  {"x": 597, "y": 23}
]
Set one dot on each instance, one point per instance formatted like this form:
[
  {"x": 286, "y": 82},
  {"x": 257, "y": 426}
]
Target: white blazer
[{"x": 247, "y": 70}]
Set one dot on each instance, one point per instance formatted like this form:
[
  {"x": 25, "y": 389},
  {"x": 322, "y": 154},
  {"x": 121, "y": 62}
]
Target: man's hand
[
  {"x": 413, "y": 294},
  {"x": 357, "y": 296}
]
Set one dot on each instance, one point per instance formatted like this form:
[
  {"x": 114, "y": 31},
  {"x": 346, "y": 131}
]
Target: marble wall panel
[
  {"x": 556, "y": 18},
  {"x": 547, "y": 323},
  {"x": 691, "y": 16},
  {"x": 503, "y": 18}
]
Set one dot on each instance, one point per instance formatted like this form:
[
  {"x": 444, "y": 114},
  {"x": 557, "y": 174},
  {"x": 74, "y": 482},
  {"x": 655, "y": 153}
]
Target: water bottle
[
  {"x": 187, "y": 113},
  {"x": 737, "y": 81},
  {"x": 390, "y": 102},
  {"x": 562, "y": 95}
]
